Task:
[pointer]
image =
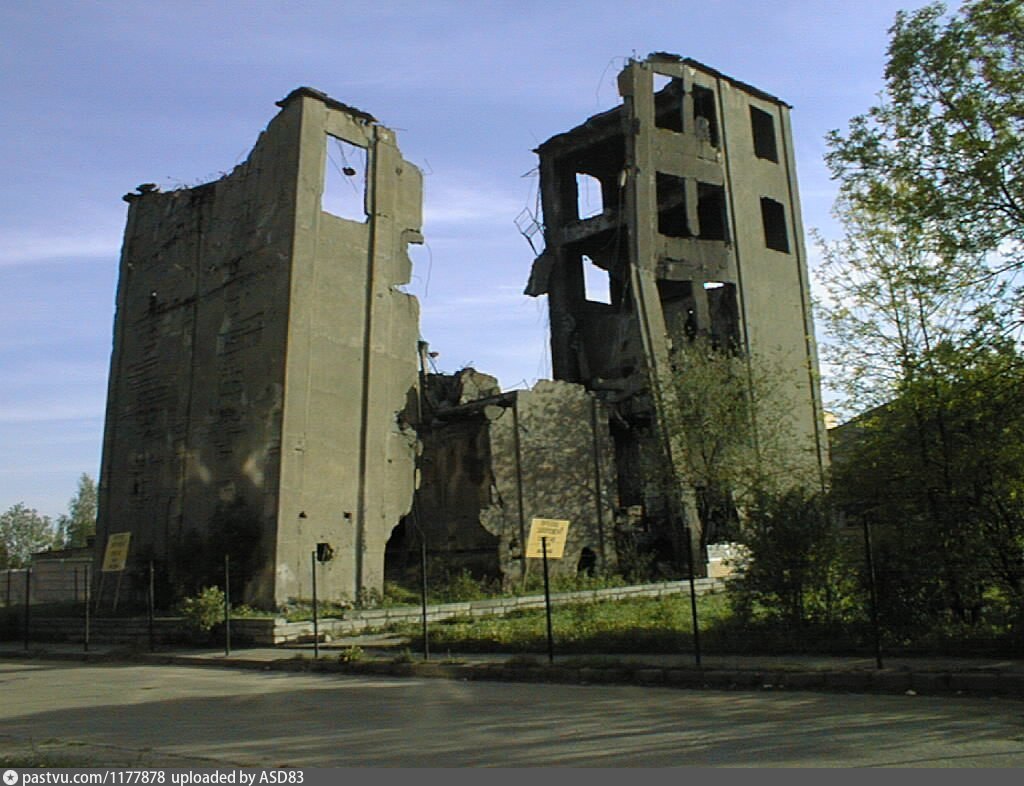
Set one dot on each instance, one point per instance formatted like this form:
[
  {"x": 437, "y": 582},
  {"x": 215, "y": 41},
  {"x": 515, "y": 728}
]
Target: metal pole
[
  {"x": 423, "y": 594},
  {"x": 547, "y": 599},
  {"x": 519, "y": 485},
  {"x": 227, "y": 606},
  {"x": 28, "y": 591},
  {"x": 597, "y": 482},
  {"x": 874, "y": 597},
  {"x": 693, "y": 596},
  {"x": 316, "y": 624},
  {"x": 149, "y": 609},
  {"x": 87, "y": 602}
]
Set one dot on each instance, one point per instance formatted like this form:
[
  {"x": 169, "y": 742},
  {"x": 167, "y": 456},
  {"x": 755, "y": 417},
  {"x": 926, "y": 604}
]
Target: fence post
[
  {"x": 316, "y": 626},
  {"x": 227, "y": 605},
  {"x": 873, "y": 593},
  {"x": 150, "y": 606},
  {"x": 87, "y": 602},
  {"x": 28, "y": 593}
]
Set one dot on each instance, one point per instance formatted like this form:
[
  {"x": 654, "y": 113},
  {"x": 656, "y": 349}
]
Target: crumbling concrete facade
[
  {"x": 263, "y": 358},
  {"x": 693, "y": 223},
  {"x": 493, "y": 461},
  {"x": 268, "y": 394}
]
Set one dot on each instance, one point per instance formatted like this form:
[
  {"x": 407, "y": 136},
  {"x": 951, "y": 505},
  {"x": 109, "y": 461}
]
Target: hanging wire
[{"x": 347, "y": 171}]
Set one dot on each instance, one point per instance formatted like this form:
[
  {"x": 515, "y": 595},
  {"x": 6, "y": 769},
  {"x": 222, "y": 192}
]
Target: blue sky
[{"x": 102, "y": 96}]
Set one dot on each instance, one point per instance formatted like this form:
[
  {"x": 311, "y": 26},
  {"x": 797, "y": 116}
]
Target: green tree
[
  {"x": 890, "y": 299},
  {"x": 79, "y": 524},
  {"x": 943, "y": 151},
  {"x": 732, "y": 434},
  {"x": 792, "y": 571},
  {"x": 940, "y": 471},
  {"x": 23, "y": 532},
  {"x": 919, "y": 302}
]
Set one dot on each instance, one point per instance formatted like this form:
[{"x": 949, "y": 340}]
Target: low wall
[{"x": 52, "y": 581}]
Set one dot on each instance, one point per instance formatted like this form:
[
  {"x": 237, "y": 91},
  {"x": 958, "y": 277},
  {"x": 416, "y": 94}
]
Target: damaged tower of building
[
  {"x": 262, "y": 356},
  {"x": 269, "y": 392},
  {"x": 682, "y": 202}
]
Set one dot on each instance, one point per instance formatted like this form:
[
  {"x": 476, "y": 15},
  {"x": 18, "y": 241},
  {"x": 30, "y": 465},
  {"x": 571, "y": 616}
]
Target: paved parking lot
[{"x": 131, "y": 714}]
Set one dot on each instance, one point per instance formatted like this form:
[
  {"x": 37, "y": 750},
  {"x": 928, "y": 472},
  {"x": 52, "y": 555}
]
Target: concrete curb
[{"x": 888, "y": 681}]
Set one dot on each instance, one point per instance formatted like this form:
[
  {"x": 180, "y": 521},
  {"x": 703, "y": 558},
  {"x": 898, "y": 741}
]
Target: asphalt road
[{"x": 125, "y": 715}]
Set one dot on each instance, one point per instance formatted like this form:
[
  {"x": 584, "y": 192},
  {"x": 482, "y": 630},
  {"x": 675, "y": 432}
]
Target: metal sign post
[
  {"x": 547, "y": 540},
  {"x": 547, "y": 599},
  {"x": 316, "y": 624}
]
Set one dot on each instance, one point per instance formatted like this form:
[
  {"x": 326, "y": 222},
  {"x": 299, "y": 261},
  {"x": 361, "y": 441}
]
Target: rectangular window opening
[
  {"x": 724, "y": 315},
  {"x": 345, "y": 173},
  {"x": 589, "y": 196},
  {"x": 668, "y": 102},
  {"x": 705, "y": 118},
  {"x": 762, "y": 126},
  {"x": 678, "y": 308},
  {"x": 711, "y": 212},
  {"x": 596, "y": 282},
  {"x": 671, "y": 196},
  {"x": 773, "y": 216}
]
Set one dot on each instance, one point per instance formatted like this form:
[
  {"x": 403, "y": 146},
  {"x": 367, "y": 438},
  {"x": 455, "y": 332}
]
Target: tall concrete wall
[
  {"x": 491, "y": 464},
  {"x": 352, "y": 364},
  {"x": 261, "y": 356},
  {"x": 552, "y": 457}
]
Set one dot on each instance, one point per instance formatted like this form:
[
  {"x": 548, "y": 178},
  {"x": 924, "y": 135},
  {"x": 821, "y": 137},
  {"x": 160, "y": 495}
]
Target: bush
[
  {"x": 205, "y": 610},
  {"x": 793, "y": 571}
]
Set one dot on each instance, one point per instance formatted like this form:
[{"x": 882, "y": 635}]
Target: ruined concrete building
[
  {"x": 493, "y": 461},
  {"x": 682, "y": 204},
  {"x": 262, "y": 356},
  {"x": 269, "y": 393}
]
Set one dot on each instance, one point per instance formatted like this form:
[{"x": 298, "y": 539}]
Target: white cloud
[
  {"x": 48, "y": 411},
  {"x": 27, "y": 248},
  {"x": 461, "y": 203}
]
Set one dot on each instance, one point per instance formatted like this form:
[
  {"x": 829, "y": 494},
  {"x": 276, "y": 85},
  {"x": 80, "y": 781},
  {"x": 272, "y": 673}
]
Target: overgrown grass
[
  {"x": 664, "y": 625},
  {"x": 650, "y": 625}
]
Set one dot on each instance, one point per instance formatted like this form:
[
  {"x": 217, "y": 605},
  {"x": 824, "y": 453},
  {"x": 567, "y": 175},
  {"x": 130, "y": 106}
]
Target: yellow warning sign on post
[
  {"x": 115, "y": 556},
  {"x": 554, "y": 531}
]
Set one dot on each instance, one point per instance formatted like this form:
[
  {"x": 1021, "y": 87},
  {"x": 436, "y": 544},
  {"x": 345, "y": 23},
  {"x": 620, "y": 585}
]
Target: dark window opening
[
  {"x": 724, "y": 315},
  {"x": 705, "y": 118},
  {"x": 589, "y": 197},
  {"x": 596, "y": 282},
  {"x": 773, "y": 216},
  {"x": 345, "y": 170},
  {"x": 679, "y": 308},
  {"x": 762, "y": 126},
  {"x": 711, "y": 212},
  {"x": 588, "y": 562},
  {"x": 671, "y": 196},
  {"x": 668, "y": 103}
]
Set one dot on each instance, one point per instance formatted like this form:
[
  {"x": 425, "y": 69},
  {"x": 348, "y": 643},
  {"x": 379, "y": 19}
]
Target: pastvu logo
[{"x": 10, "y": 777}]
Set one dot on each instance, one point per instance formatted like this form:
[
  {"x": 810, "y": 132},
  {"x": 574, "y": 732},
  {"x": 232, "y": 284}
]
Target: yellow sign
[
  {"x": 553, "y": 531},
  {"x": 116, "y": 555}
]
